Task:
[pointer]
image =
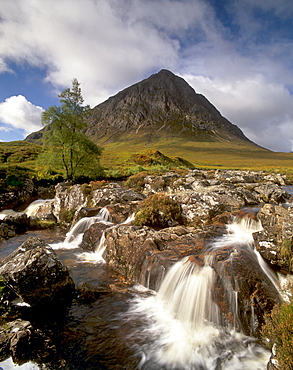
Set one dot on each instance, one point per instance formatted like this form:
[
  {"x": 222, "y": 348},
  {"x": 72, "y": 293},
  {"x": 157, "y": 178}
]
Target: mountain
[{"x": 161, "y": 106}]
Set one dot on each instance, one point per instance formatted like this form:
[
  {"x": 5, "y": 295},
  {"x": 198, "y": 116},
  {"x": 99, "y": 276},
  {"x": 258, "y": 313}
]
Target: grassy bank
[{"x": 120, "y": 158}]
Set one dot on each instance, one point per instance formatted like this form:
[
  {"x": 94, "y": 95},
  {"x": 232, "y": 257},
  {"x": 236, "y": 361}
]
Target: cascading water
[
  {"x": 29, "y": 211},
  {"x": 75, "y": 235},
  {"x": 34, "y": 206},
  {"x": 97, "y": 255},
  {"x": 184, "y": 328}
]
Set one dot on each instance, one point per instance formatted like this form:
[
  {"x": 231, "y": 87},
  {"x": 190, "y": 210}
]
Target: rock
[
  {"x": 275, "y": 241},
  {"x": 114, "y": 193},
  {"x": 35, "y": 273},
  {"x": 26, "y": 192},
  {"x": 200, "y": 207},
  {"x": 270, "y": 193},
  {"x": 27, "y": 343},
  {"x": 68, "y": 197},
  {"x": 239, "y": 273},
  {"x": 74, "y": 198},
  {"x": 87, "y": 212},
  {"x": 8, "y": 200},
  {"x": 273, "y": 362},
  {"x": 93, "y": 235},
  {"x": 88, "y": 292},
  {"x": 46, "y": 211},
  {"x": 128, "y": 248},
  {"x": 19, "y": 222},
  {"x": 6, "y": 231}
]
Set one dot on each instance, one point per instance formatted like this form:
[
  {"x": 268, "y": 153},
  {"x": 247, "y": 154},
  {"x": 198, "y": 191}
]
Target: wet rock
[
  {"x": 93, "y": 235},
  {"x": 275, "y": 241},
  {"x": 239, "y": 273},
  {"x": 120, "y": 212},
  {"x": 87, "y": 212},
  {"x": 128, "y": 248},
  {"x": 88, "y": 292},
  {"x": 273, "y": 362},
  {"x": 46, "y": 211},
  {"x": 13, "y": 225},
  {"x": 27, "y": 343},
  {"x": 18, "y": 222},
  {"x": 35, "y": 273}
]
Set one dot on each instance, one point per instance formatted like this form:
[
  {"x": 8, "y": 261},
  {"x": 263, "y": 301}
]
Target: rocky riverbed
[{"x": 208, "y": 201}]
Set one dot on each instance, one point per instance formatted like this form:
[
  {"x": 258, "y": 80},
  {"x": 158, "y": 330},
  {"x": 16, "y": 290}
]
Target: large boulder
[
  {"x": 76, "y": 198},
  {"x": 114, "y": 193},
  {"x": 67, "y": 198},
  {"x": 19, "y": 222},
  {"x": 139, "y": 252},
  {"x": 270, "y": 193},
  {"x": 36, "y": 274}
]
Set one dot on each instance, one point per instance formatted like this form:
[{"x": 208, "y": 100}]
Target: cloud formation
[
  {"x": 236, "y": 52},
  {"x": 18, "y": 113}
]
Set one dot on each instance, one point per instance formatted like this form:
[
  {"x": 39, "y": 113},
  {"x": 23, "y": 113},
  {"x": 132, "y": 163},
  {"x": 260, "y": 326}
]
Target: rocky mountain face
[{"x": 163, "y": 105}]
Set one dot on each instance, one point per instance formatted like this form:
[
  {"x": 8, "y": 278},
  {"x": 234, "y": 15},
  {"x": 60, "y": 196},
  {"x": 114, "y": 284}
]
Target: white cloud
[
  {"x": 19, "y": 113},
  {"x": 262, "y": 109}
]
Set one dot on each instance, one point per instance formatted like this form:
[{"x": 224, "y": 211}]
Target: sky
[{"x": 237, "y": 53}]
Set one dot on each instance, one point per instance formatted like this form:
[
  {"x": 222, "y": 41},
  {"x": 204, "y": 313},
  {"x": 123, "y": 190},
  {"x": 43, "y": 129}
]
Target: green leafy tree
[{"x": 67, "y": 146}]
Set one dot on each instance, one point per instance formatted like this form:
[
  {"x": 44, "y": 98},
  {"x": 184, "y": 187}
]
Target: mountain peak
[{"x": 162, "y": 105}]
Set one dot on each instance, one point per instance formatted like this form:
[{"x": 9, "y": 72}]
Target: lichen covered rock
[{"x": 36, "y": 274}]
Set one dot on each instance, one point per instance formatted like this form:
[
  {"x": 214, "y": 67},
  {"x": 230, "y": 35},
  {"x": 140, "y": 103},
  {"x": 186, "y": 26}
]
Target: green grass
[
  {"x": 119, "y": 158},
  {"x": 18, "y": 152},
  {"x": 278, "y": 329},
  {"x": 202, "y": 155}
]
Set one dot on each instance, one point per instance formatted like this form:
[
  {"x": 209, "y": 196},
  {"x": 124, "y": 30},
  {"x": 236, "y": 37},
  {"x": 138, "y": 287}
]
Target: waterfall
[
  {"x": 97, "y": 255},
  {"x": 186, "y": 294},
  {"x": 30, "y": 210},
  {"x": 74, "y": 236},
  {"x": 182, "y": 325},
  {"x": 34, "y": 206}
]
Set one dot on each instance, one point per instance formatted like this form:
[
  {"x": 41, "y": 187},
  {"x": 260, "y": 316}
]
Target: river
[{"x": 131, "y": 327}]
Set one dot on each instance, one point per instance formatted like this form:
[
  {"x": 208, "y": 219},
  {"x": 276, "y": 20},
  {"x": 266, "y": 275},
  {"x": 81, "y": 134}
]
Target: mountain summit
[{"x": 161, "y": 106}]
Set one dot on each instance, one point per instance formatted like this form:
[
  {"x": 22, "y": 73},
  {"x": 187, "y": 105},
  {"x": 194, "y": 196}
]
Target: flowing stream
[
  {"x": 183, "y": 328},
  {"x": 179, "y": 327}
]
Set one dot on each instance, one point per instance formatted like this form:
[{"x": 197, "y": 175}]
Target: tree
[{"x": 67, "y": 145}]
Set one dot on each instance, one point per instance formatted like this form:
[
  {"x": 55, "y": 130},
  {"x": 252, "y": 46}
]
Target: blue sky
[{"x": 238, "y": 53}]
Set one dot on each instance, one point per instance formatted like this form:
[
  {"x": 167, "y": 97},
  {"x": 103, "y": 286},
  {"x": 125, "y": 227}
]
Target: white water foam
[
  {"x": 34, "y": 206},
  {"x": 165, "y": 341},
  {"x": 97, "y": 255},
  {"x": 75, "y": 235},
  {"x": 29, "y": 211},
  {"x": 239, "y": 232},
  {"x": 8, "y": 364}
]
